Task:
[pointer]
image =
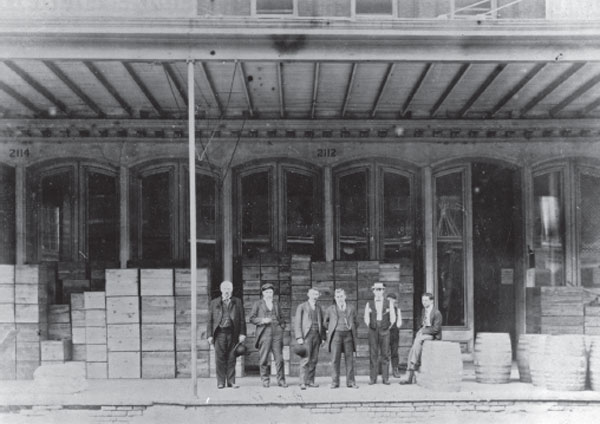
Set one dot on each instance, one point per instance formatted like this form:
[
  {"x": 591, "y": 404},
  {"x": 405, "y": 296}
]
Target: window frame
[
  {"x": 256, "y": 14},
  {"x": 355, "y": 15}
]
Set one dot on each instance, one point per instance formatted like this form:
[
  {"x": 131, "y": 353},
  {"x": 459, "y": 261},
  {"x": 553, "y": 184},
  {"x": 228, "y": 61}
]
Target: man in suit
[
  {"x": 341, "y": 322},
  {"x": 309, "y": 331},
  {"x": 379, "y": 317},
  {"x": 226, "y": 327},
  {"x": 266, "y": 315},
  {"x": 431, "y": 329},
  {"x": 395, "y": 334}
]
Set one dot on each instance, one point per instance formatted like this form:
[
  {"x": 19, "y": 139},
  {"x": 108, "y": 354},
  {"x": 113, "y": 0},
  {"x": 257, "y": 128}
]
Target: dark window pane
[
  {"x": 549, "y": 230},
  {"x": 353, "y": 228},
  {"x": 7, "y": 215},
  {"x": 450, "y": 247},
  {"x": 56, "y": 217},
  {"x": 103, "y": 213},
  {"x": 156, "y": 218},
  {"x": 274, "y": 6},
  {"x": 256, "y": 213},
  {"x": 206, "y": 218},
  {"x": 589, "y": 230},
  {"x": 397, "y": 216},
  {"x": 374, "y": 7},
  {"x": 300, "y": 213}
]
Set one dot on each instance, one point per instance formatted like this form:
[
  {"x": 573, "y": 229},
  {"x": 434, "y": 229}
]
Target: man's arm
[
  {"x": 242, "y": 315},
  {"x": 398, "y": 317},
  {"x": 209, "y": 325},
  {"x": 367, "y": 317},
  {"x": 436, "y": 325},
  {"x": 298, "y": 324}
]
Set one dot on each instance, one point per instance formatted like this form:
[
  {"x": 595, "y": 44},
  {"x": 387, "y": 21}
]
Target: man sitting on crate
[
  {"x": 270, "y": 323},
  {"x": 226, "y": 328},
  {"x": 431, "y": 329}
]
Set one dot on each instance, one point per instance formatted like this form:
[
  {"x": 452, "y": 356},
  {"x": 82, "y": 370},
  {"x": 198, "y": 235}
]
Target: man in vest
[
  {"x": 431, "y": 329},
  {"x": 341, "y": 322},
  {"x": 379, "y": 317},
  {"x": 269, "y": 321},
  {"x": 226, "y": 327},
  {"x": 395, "y": 334},
  {"x": 309, "y": 331}
]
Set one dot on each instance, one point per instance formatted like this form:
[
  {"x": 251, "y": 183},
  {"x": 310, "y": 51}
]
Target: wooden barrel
[
  {"x": 493, "y": 358},
  {"x": 594, "y": 363},
  {"x": 523, "y": 357},
  {"x": 537, "y": 352},
  {"x": 441, "y": 366},
  {"x": 565, "y": 363}
]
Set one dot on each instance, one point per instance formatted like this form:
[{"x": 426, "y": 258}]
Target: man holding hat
[
  {"x": 226, "y": 329},
  {"x": 266, "y": 315},
  {"x": 379, "y": 317},
  {"x": 309, "y": 332}
]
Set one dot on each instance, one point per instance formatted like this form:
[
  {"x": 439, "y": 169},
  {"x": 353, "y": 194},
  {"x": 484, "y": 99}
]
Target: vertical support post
[
  {"x": 192, "y": 196},
  {"x": 20, "y": 214},
  {"x": 328, "y": 198},
  {"x": 227, "y": 228},
  {"x": 124, "y": 241},
  {"x": 429, "y": 229}
]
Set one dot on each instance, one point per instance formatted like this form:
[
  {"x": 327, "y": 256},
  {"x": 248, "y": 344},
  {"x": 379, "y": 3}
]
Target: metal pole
[{"x": 192, "y": 196}]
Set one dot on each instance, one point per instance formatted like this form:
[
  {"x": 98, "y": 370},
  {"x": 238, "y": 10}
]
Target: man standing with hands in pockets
[{"x": 379, "y": 317}]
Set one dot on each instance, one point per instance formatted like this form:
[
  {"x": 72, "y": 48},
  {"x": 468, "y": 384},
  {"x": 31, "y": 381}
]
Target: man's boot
[
  {"x": 395, "y": 372},
  {"x": 408, "y": 378}
]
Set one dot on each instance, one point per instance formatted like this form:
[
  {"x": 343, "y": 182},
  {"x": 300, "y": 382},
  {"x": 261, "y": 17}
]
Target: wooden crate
[
  {"x": 95, "y": 335},
  {"x": 158, "y": 309},
  {"x": 7, "y": 313},
  {"x": 70, "y": 287},
  {"x": 122, "y": 282},
  {"x": 94, "y": 300},
  {"x": 158, "y": 364},
  {"x": 123, "y": 337},
  {"x": 345, "y": 270},
  {"x": 157, "y": 282},
  {"x": 124, "y": 365},
  {"x": 95, "y": 317},
  {"x": 59, "y": 314},
  {"x": 59, "y": 331},
  {"x": 183, "y": 334},
  {"x": 204, "y": 365},
  {"x": 122, "y": 310},
  {"x": 183, "y": 310},
  {"x": 56, "y": 350},
  {"x": 31, "y": 313},
  {"x": 158, "y": 337},
  {"x": 95, "y": 353},
  {"x": 183, "y": 284},
  {"x": 26, "y": 368},
  {"x": 7, "y": 275},
  {"x": 96, "y": 370},
  {"x": 72, "y": 271}
]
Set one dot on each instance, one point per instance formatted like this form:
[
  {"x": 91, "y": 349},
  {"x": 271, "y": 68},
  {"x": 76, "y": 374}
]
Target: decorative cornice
[{"x": 450, "y": 131}]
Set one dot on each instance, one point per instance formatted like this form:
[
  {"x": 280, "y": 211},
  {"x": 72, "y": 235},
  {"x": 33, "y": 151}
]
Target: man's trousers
[
  {"x": 379, "y": 354},
  {"x": 225, "y": 357},
  {"x": 414, "y": 356},
  {"x": 271, "y": 340},
  {"x": 342, "y": 342},
  {"x": 308, "y": 365}
]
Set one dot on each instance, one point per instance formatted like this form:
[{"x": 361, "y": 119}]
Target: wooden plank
[
  {"x": 59, "y": 331},
  {"x": 59, "y": 314}
]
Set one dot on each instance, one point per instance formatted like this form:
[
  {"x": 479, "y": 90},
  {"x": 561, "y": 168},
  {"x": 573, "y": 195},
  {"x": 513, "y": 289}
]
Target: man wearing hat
[
  {"x": 226, "y": 329},
  {"x": 379, "y": 317},
  {"x": 394, "y": 334},
  {"x": 309, "y": 332},
  {"x": 266, "y": 315}
]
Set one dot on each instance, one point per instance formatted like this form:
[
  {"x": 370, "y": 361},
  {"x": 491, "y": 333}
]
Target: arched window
[
  {"x": 278, "y": 208},
  {"x": 374, "y": 211},
  {"x": 160, "y": 215}
]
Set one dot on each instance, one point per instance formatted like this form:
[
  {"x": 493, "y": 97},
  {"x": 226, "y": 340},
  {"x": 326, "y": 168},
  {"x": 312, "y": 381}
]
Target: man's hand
[
  {"x": 300, "y": 340},
  {"x": 210, "y": 340},
  {"x": 266, "y": 320},
  {"x": 242, "y": 338}
]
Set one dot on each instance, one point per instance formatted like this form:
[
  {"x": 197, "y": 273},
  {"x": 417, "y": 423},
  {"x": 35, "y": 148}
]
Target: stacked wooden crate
[
  {"x": 562, "y": 310},
  {"x": 31, "y": 317},
  {"x": 73, "y": 279},
  {"x": 592, "y": 319},
  {"x": 59, "y": 322},
  {"x": 96, "y": 361},
  {"x": 533, "y": 314},
  {"x": 251, "y": 276},
  {"x": 77, "y": 327},
  {"x": 183, "y": 326},
  {"x": 123, "y": 323},
  {"x": 56, "y": 351},
  {"x": 158, "y": 323},
  {"x": 301, "y": 281},
  {"x": 8, "y": 339}
]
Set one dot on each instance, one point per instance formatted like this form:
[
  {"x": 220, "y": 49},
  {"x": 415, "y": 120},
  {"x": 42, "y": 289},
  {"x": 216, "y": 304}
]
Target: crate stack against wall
[
  {"x": 251, "y": 289},
  {"x": 73, "y": 279},
  {"x": 533, "y": 306},
  {"x": 31, "y": 316},
  {"x": 77, "y": 327},
  {"x": 158, "y": 323},
  {"x": 58, "y": 347},
  {"x": 123, "y": 323},
  {"x": 96, "y": 361},
  {"x": 183, "y": 326},
  {"x": 561, "y": 310},
  {"x": 8, "y": 330},
  {"x": 592, "y": 319}
]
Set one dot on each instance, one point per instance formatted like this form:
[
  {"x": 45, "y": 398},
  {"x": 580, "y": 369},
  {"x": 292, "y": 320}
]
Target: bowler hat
[
  {"x": 240, "y": 349},
  {"x": 267, "y": 286},
  {"x": 378, "y": 286},
  {"x": 300, "y": 350}
]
